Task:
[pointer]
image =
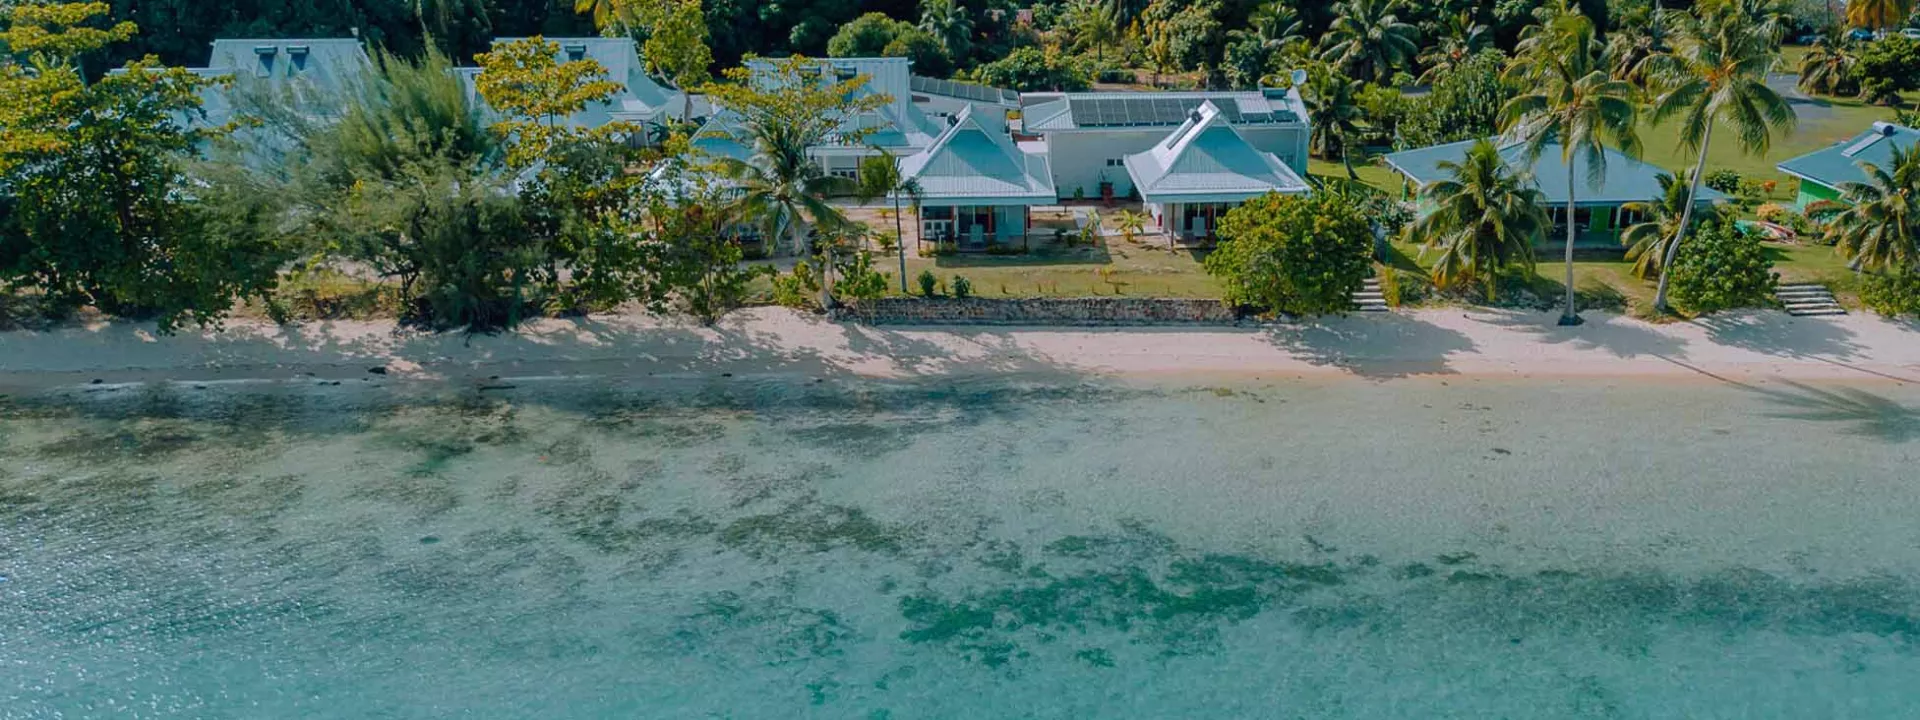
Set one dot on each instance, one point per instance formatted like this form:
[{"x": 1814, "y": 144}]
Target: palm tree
[
  {"x": 782, "y": 189},
  {"x": 1570, "y": 100},
  {"x": 1878, "y": 14},
  {"x": 1634, "y": 52},
  {"x": 1131, "y": 224},
  {"x": 1485, "y": 217},
  {"x": 880, "y": 177},
  {"x": 1369, "y": 40},
  {"x": 1719, "y": 67},
  {"x": 1647, "y": 240},
  {"x": 1333, "y": 108},
  {"x": 1827, "y": 68},
  {"x": 1456, "y": 38},
  {"x": 949, "y": 23},
  {"x": 1093, "y": 24},
  {"x": 1879, "y": 229}
]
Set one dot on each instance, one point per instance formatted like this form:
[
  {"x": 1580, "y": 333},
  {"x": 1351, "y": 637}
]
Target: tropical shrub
[
  {"x": 1722, "y": 268},
  {"x": 927, "y": 282},
  {"x": 1302, "y": 255},
  {"x": 1773, "y": 213},
  {"x": 858, "y": 278},
  {"x": 1726, "y": 181},
  {"x": 1892, "y": 294},
  {"x": 962, "y": 287},
  {"x": 798, "y": 288}
]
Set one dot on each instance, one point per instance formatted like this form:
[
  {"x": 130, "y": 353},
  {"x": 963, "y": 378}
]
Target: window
[
  {"x": 848, "y": 173},
  {"x": 1116, "y": 162}
]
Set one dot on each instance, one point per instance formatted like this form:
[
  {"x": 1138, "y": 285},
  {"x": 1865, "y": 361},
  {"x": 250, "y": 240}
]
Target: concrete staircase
[
  {"x": 1369, "y": 298},
  {"x": 1808, "y": 300}
]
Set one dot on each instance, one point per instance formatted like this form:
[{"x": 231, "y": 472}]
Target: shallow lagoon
[{"x": 1013, "y": 547}]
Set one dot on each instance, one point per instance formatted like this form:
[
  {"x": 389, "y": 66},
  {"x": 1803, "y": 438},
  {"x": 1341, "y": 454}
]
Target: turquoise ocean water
[{"x": 998, "y": 547}]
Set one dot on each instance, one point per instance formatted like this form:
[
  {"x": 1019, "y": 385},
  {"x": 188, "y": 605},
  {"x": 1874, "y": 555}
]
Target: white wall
[{"x": 1079, "y": 158}]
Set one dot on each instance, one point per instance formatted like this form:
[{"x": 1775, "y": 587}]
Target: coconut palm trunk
[
  {"x": 900, "y": 242},
  {"x": 1686, "y": 216},
  {"x": 1572, "y": 314}
]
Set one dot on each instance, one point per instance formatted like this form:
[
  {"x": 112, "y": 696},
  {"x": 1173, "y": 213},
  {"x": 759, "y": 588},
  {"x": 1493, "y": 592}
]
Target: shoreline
[{"x": 1475, "y": 344}]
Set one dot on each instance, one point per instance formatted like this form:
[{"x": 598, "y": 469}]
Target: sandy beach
[{"x": 1752, "y": 345}]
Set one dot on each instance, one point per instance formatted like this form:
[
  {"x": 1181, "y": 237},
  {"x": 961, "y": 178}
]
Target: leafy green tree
[
  {"x": 1369, "y": 40},
  {"x": 1486, "y": 217},
  {"x": 1189, "y": 33},
  {"x": 1570, "y": 100},
  {"x": 1887, "y": 68},
  {"x": 1727, "y": 269},
  {"x": 687, "y": 238},
  {"x": 1878, "y": 226},
  {"x": 948, "y": 23},
  {"x": 1463, "y": 104},
  {"x": 1717, "y": 76},
  {"x": 1031, "y": 69},
  {"x": 1648, "y": 239},
  {"x": 96, "y": 204},
  {"x": 1301, "y": 255},
  {"x": 525, "y": 81},
  {"x": 676, "y": 47},
  {"x": 867, "y": 36}
]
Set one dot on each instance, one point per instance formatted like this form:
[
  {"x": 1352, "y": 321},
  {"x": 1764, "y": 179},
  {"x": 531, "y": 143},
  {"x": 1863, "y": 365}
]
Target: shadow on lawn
[
  {"x": 1374, "y": 347},
  {"x": 1041, "y": 255}
]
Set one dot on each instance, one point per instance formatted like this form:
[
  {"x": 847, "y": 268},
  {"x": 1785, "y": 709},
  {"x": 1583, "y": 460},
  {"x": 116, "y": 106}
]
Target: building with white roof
[
  {"x": 1203, "y": 169},
  {"x": 1089, "y": 135},
  {"x": 975, "y": 185}
]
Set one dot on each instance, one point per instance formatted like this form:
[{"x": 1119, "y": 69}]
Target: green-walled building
[{"x": 1823, "y": 171}]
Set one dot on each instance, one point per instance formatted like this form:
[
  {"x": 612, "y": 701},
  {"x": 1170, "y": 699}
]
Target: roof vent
[
  {"x": 576, "y": 51},
  {"x": 1194, "y": 115}
]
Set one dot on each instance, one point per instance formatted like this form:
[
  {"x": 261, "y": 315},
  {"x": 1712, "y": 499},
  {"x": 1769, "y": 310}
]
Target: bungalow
[
  {"x": 312, "y": 72},
  {"x": 1202, "y": 170},
  {"x": 1089, "y": 135},
  {"x": 1823, "y": 171},
  {"x": 896, "y": 127},
  {"x": 1597, "y": 202},
  {"x": 640, "y": 101},
  {"x": 975, "y": 185}
]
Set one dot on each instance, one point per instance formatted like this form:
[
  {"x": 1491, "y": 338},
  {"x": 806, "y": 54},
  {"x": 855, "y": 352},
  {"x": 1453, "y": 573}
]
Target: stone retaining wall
[{"x": 1038, "y": 311}]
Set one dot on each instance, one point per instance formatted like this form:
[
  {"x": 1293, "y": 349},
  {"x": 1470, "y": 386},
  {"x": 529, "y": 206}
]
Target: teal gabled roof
[
  {"x": 976, "y": 163},
  {"x": 1206, "y": 160},
  {"x": 1840, "y": 163},
  {"x": 1624, "y": 179},
  {"x": 316, "y": 73}
]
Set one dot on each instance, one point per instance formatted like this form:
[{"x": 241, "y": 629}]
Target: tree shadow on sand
[
  {"x": 1374, "y": 347},
  {"x": 1777, "y": 333},
  {"x": 1607, "y": 332}
]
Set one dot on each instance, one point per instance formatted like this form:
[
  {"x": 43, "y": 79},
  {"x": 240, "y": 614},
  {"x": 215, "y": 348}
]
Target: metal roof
[
  {"x": 977, "y": 163},
  {"x": 964, "y": 91},
  {"x": 1624, "y": 179},
  {"x": 1207, "y": 160},
  {"x": 1098, "y": 110},
  {"x": 1840, "y": 163}
]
